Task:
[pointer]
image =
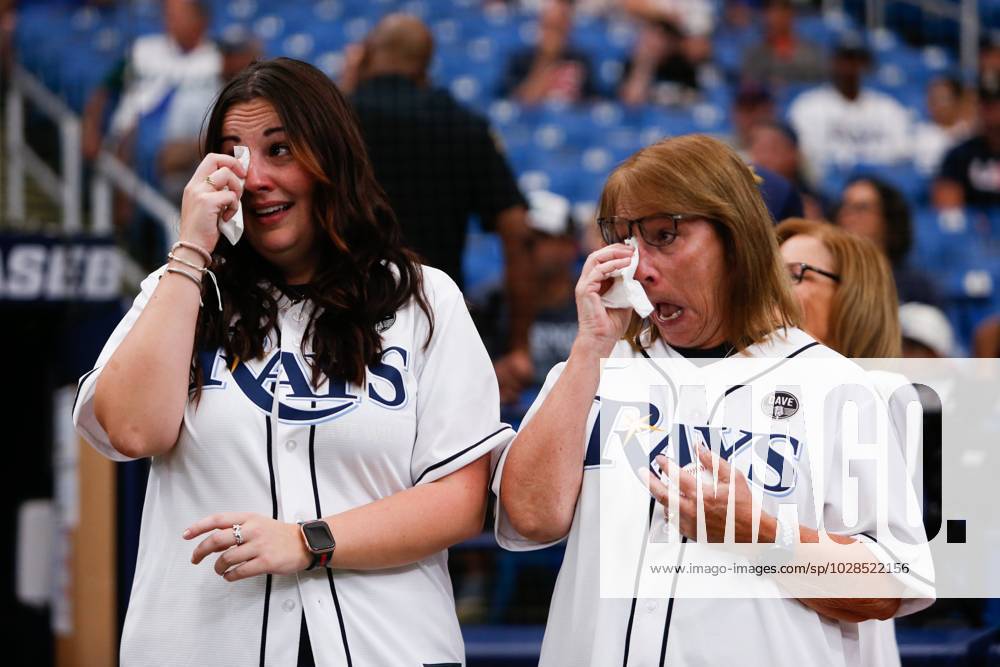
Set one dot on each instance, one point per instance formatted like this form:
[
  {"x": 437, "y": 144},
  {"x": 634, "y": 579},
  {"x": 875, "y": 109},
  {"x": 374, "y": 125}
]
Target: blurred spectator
[
  {"x": 738, "y": 29},
  {"x": 180, "y": 150},
  {"x": 657, "y": 70},
  {"x": 694, "y": 20},
  {"x": 780, "y": 196},
  {"x": 739, "y": 18},
  {"x": 970, "y": 172},
  {"x": 986, "y": 339},
  {"x": 842, "y": 123},
  {"x": 8, "y": 22},
  {"x": 596, "y": 7},
  {"x": 557, "y": 256},
  {"x": 927, "y": 334},
  {"x": 877, "y": 211},
  {"x": 989, "y": 53},
  {"x": 782, "y": 58},
  {"x": 159, "y": 68},
  {"x": 552, "y": 71},
  {"x": 775, "y": 146},
  {"x": 947, "y": 126},
  {"x": 439, "y": 164},
  {"x": 752, "y": 105}
]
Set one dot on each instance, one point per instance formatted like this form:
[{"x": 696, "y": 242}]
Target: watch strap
[{"x": 320, "y": 560}]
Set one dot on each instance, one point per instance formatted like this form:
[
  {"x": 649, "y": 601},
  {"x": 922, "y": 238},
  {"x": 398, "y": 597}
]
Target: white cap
[
  {"x": 549, "y": 213},
  {"x": 928, "y": 326}
]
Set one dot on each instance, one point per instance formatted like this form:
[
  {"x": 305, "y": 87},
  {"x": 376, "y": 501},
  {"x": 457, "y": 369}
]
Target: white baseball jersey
[
  {"x": 263, "y": 439},
  {"x": 835, "y": 132},
  {"x": 586, "y": 628},
  {"x": 878, "y": 638}
]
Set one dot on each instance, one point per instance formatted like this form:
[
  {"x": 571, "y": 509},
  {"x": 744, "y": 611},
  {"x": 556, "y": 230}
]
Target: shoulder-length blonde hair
[
  {"x": 695, "y": 174},
  {"x": 864, "y": 315}
]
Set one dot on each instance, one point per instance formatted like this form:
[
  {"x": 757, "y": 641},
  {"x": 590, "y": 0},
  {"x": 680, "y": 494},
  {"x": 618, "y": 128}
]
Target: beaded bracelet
[
  {"x": 203, "y": 269},
  {"x": 206, "y": 255}
]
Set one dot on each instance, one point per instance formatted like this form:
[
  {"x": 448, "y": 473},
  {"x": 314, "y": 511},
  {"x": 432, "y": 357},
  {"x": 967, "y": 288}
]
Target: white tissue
[
  {"x": 626, "y": 292},
  {"x": 232, "y": 229}
]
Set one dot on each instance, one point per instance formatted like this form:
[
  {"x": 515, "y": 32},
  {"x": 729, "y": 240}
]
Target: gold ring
[{"x": 208, "y": 179}]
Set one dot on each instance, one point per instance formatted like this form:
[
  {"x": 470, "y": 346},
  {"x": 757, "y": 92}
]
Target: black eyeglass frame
[
  {"x": 803, "y": 267},
  {"x": 607, "y": 226}
]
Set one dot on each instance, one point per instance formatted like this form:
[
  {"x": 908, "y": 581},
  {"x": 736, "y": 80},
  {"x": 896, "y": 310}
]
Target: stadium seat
[{"x": 482, "y": 262}]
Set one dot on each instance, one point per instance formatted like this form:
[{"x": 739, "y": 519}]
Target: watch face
[{"x": 318, "y": 536}]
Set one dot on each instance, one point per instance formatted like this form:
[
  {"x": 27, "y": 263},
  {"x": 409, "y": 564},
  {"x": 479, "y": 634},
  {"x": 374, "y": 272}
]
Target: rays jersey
[
  {"x": 586, "y": 627},
  {"x": 264, "y": 439}
]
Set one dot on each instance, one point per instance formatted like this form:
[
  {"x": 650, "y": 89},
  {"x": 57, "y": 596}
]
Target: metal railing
[
  {"x": 66, "y": 186},
  {"x": 964, "y": 12}
]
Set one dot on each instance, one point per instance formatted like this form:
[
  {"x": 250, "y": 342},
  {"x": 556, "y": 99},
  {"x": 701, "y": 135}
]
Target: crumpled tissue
[
  {"x": 232, "y": 229},
  {"x": 626, "y": 292}
]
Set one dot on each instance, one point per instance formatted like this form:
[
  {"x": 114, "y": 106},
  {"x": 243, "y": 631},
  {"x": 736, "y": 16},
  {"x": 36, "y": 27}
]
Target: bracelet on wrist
[
  {"x": 190, "y": 276},
  {"x": 206, "y": 255},
  {"x": 180, "y": 260},
  {"x": 201, "y": 269}
]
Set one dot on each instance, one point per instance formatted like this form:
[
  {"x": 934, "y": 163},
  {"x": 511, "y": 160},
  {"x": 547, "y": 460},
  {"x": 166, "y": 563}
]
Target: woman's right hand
[
  {"x": 598, "y": 324},
  {"x": 205, "y": 199}
]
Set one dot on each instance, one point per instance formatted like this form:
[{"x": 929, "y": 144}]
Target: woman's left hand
[
  {"x": 268, "y": 546},
  {"x": 716, "y": 501}
]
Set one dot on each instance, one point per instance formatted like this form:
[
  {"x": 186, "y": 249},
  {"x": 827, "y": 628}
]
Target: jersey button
[
  {"x": 291, "y": 445},
  {"x": 651, "y": 606},
  {"x": 288, "y": 605}
]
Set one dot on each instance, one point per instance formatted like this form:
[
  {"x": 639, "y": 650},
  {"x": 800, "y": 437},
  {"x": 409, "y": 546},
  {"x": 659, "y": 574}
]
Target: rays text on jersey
[{"x": 304, "y": 403}]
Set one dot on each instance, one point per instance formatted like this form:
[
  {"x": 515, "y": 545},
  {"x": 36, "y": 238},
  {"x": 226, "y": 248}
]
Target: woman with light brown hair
[
  {"x": 687, "y": 215},
  {"x": 848, "y": 297},
  {"x": 845, "y": 287}
]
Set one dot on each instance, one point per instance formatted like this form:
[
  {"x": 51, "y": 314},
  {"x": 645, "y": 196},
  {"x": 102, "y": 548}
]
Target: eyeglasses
[
  {"x": 657, "y": 229},
  {"x": 797, "y": 271}
]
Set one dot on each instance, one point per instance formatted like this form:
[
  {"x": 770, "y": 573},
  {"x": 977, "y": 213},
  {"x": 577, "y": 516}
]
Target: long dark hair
[
  {"x": 364, "y": 275},
  {"x": 896, "y": 215}
]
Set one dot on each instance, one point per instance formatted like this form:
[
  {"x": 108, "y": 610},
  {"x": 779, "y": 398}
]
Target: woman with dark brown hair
[{"x": 321, "y": 421}]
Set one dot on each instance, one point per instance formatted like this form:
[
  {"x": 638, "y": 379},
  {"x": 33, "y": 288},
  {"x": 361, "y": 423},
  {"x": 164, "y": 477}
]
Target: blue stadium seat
[
  {"x": 729, "y": 45},
  {"x": 482, "y": 262},
  {"x": 820, "y": 29},
  {"x": 241, "y": 10},
  {"x": 327, "y": 11},
  {"x": 608, "y": 72},
  {"x": 330, "y": 63},
  {"x": 84, "y": 74},
  {"x": 600, "y": 40},
  {"x": 959, "y": 251},
  {"x": 904, "y": 176},
  {"x": 448, "y": 32}
]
